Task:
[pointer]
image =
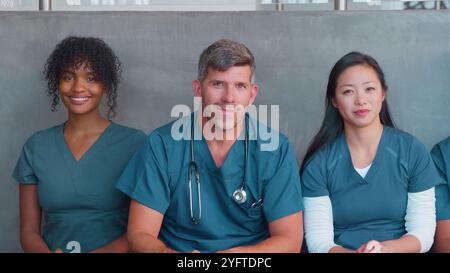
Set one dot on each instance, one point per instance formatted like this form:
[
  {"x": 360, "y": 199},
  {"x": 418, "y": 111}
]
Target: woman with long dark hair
[{"x": 367, "y": 186}]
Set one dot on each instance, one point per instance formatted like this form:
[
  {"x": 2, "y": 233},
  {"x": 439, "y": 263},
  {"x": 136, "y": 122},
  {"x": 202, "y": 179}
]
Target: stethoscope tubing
[{"x": 239, "y": 195}]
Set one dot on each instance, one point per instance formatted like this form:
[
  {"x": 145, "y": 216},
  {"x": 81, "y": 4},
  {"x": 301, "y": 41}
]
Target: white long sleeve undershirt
[{"x": 420, "y": 219}]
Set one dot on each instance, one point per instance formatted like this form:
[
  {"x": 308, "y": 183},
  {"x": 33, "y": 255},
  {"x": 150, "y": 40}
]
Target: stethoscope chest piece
[{"x": 240, "y": 196}]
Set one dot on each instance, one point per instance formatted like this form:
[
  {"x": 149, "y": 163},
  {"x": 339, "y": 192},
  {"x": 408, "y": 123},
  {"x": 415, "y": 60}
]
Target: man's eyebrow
[{"x": 216, "y": 80}]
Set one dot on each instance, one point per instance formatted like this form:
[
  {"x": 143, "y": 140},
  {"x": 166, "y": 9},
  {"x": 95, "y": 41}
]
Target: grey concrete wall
[{"x": 294, "y": 53}]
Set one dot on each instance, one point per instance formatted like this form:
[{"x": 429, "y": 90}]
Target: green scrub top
[
  {"x": 157, "y": 177},
  {"x": 374, "y": 207},
  {"x": 441, "y": 157},
  {"x": 78, "y": 198}
]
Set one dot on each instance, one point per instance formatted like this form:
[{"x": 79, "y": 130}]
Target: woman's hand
[
  {"x": 58, "y": 250},
  {"x": 373, "y": 247}
]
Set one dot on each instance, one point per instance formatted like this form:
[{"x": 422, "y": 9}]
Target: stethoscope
[{"x": 239, "y": 195}]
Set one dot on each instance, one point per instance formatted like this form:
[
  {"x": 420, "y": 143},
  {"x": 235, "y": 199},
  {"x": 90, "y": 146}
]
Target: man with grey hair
[{"x": 215, "y": 190}]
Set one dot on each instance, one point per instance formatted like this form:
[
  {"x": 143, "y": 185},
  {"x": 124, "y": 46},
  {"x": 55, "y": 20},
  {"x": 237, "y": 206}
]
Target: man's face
[{"x": 226, "y": 95}]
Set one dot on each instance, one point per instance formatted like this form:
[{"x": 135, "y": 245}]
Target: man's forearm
[
  {"x": 146, "y": 243},
  {"x": 274, "y": 244}
]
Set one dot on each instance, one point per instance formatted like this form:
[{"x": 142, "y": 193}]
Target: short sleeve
[
  {"x": 145, "y": 178},
  {"x": 421, "y": 169},
  {"x": 24, "y": 172},
  {"x": 282, "y": 192},
  {"x": 314, "y": 177}
]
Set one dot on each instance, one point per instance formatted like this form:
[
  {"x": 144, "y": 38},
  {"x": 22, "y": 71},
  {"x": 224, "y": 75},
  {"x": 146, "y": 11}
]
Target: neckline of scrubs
[
  {"x": 232, "y": 164},
  {"x": 67, "y": 153},
  {"x": 375, "y": 163}
]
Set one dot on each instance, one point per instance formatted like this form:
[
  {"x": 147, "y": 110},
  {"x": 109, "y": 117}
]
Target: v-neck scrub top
[
  {"x": 157, "y": 177},
  {"x": 374, "y": 207},
  {"x": 441, "y": 157},
  {"x": 78, "y": 198}
]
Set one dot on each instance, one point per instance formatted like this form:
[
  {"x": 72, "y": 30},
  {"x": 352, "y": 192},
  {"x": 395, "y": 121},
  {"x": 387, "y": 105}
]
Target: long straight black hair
[{"x": 332, "y": 124}]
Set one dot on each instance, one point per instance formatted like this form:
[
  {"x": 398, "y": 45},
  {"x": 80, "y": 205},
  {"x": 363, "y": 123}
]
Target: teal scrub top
[
  {"x": 441, "y": 157},
  {"x": 78, "y": 198},
  {"x": 157, "y": 177},
  {"x": 374, "y": 207}
]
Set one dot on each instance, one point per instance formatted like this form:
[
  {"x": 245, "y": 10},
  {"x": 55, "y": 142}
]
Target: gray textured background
[{"x": 294, "y": 52}]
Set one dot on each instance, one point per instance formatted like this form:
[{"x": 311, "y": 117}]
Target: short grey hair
[{"x": 223, "y": 54}]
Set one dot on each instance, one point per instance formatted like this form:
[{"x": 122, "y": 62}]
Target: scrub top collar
[
  {"x": 234, "y": 162},
  {"x": 67, "y": 153},
  {"x": 375, "y": 163}
]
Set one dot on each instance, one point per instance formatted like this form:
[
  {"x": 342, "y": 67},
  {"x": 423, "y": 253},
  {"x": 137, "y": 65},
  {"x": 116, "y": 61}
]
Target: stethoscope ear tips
[{"x": 240, "y": 196}]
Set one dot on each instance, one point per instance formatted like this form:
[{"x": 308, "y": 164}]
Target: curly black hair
[{"x": 74, "y": 51}]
